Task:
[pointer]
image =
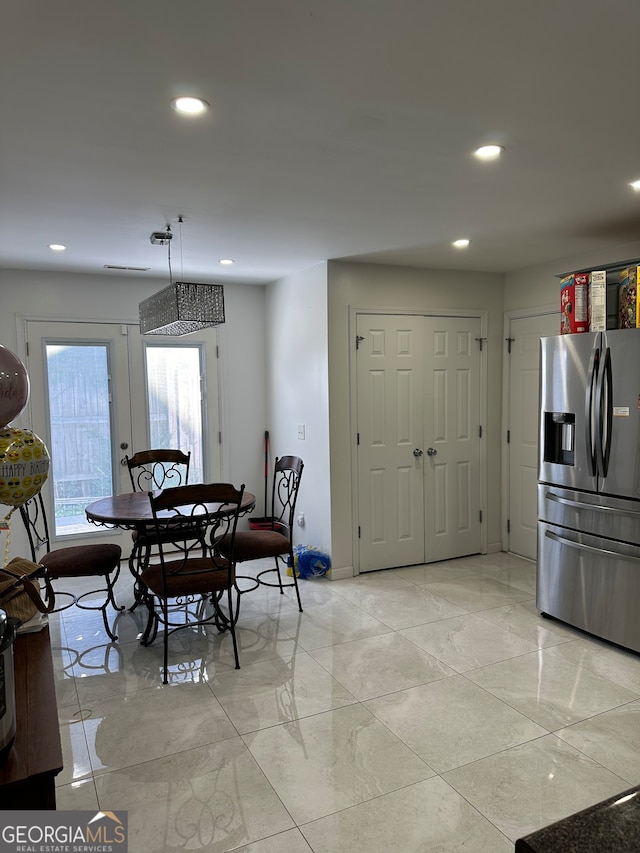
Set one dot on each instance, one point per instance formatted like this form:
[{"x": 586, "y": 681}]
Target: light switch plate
[{"x": 301, "y": 432}]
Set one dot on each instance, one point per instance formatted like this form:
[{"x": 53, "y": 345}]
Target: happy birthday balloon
[
  {"x": 14, "y": 386},
  {"x": 24, "y": 465}
]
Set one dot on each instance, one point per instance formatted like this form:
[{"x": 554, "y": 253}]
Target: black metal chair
[
  {"x": 186, "y": 588},
  {"x": 277, "y": 539},
  {"x": 159, "y": 468},
  {"x": 76, "y": 561}
]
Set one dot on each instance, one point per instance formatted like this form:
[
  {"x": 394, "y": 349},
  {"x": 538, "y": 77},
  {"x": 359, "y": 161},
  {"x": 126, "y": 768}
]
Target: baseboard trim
[{"x": 341, "y": 574}]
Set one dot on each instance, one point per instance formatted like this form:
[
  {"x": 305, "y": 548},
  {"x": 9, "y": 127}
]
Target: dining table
[{"x": 132, "y": 510}]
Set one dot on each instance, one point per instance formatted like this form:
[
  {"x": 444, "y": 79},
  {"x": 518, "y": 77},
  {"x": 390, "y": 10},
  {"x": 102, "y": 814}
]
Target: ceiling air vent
[{"x": 131, "y": 269}]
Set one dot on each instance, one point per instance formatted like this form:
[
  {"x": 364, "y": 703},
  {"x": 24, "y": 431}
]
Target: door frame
[
  {"x": 26, "y": 418},
  {"x": 509, "y": 317},
  {"x": 354, "y": 311}
]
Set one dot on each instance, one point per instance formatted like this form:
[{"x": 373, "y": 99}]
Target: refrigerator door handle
[
  {"x": 551, "y": 496},
  {"x": 589, "y": 411},
  {"x": 600, "y": 551},
  {"x": 604, "y": 413}
]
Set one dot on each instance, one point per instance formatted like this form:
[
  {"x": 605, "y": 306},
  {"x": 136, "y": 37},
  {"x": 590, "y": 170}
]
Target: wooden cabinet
[{"x": 27, "y": 777}]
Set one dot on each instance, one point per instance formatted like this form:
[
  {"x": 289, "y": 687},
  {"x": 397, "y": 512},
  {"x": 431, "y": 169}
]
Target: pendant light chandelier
[{"x": 183, "y": 307}]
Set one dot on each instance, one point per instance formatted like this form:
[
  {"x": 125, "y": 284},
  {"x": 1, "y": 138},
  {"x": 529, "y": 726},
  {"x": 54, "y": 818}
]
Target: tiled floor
[{"x": 417, "y": 709}]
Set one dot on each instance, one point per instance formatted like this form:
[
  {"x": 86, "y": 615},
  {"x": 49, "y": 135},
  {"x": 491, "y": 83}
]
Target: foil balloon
[
  {"x": 14, "y": 386},
  {"x": 24, "y": 465}
]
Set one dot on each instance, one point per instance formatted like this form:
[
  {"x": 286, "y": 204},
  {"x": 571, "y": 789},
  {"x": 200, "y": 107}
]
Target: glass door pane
[
  {"x": 174, "y": 396},
  {"x": 79, "y": 405},
  {"x": 78, "y": 380}
]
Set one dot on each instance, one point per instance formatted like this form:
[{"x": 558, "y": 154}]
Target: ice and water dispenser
[{"x": 559, "y": 437}]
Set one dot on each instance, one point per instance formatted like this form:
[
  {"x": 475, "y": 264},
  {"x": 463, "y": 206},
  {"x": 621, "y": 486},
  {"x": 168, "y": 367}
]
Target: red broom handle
[{"x": 266, "y": 468}]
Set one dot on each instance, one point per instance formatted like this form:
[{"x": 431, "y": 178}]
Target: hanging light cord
[
  {"x": 169, "y": 255},
  {"x": 181, "y": 264}
]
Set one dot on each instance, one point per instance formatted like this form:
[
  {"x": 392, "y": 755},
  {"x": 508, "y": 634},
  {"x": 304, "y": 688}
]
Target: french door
[
  {"x": 418, "y": 423},
  {"x": 100, "y": 392}
]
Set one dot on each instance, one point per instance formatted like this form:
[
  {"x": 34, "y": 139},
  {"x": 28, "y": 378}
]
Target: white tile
[
  {"x": 480, "y": 592},
  {"x": 77, "y": 796},
  {"x": 332, "y": 622},
  {"x": 334, "y": 760},
  {"x": 276, "y": 691},
  {"x": 432, "y": 572},
  {"x": 152, "y": 723},
  {"x": 525, "y": 620},
  {"x": 426, "y": 816},
  {"x": 467, "y": 642},
  {"x": 617, "y": 665},
  {"x": 291, "y": 841},
  {"x": 612, "y": 739},
  {"x": 378, "y": 665},
  {"x": 452, "y": 722},
  {"x": 402, "y": 608},
  {"x": 211, "y": 798},
  {"x": 530, "y": 786},
  {"x": 521, "y": 577},
  {"x": 550, "y": 690},
  {"x": 382, "y": 581}
]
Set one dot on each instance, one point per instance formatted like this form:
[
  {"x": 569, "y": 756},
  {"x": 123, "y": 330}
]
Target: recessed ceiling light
[
  {"x": 227, "y": 261},
  {"x": 57, "y": 247},
  {"x": 189, "y": 105},
  {"x": 462, "y": 243},
  {"x": 635, "y": 185},
  {"x": 488, "y": 152}
]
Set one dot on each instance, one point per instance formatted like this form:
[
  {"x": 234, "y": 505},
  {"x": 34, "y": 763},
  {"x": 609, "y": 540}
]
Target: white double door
[
  {"x": 126, "y": 397},
  {"x": 419, "y": 443}
]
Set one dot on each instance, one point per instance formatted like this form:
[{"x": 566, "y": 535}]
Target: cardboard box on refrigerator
[
  {"x": 573, "y": 303},
  {"x": 598, "y": 301},
  {"x": 628, "y": 315}
]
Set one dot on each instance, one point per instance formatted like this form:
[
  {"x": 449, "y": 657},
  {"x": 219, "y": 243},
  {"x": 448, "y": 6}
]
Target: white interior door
[
  {"x": 418, "y": 454},
  {"x": 523, "y": 417},
  {"x": 390, "y": 389},
  {"x": 452, "y": 438}
]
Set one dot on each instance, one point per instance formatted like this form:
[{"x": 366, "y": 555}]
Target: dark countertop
[{"x": 613, "y": 824}]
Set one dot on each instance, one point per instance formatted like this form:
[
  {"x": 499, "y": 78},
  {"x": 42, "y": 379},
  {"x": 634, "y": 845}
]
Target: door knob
[
  {"x": 432, "y": 451},
  {"x": 417, "y": 452}
]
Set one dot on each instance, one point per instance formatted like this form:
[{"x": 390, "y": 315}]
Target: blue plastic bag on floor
[{"x": 310, "y": 562}]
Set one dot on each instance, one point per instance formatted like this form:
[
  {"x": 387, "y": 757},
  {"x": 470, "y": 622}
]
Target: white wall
[
  {"x": 538, "y": 285},
  {"x": 377, "y": 286},
  {"x": 44, "y": 294},
  {"x": 297, "y": 340}
]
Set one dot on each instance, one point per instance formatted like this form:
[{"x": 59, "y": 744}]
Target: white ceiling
[{"x": 338, "y": 129}]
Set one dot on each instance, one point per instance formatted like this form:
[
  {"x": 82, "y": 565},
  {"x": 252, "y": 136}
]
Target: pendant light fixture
[{"x": 183, "y": 307}]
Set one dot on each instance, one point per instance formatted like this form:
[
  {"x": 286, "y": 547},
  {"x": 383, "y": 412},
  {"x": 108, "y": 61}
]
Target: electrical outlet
[{"x": 301, "y": 432}]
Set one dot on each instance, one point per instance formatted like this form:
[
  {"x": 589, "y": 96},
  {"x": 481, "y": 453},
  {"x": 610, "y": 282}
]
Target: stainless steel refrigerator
[{"x": 588, "y": 566}]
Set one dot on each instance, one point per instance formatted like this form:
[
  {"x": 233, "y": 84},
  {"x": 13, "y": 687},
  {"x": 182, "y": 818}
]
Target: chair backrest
[
  {"x": 158, "y": 469},
  {"x": 212, "y": 509},
  {"x": 287, "y": 473},
  {"x": 35, "y": 522}
]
